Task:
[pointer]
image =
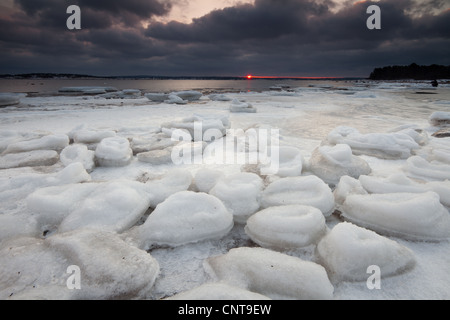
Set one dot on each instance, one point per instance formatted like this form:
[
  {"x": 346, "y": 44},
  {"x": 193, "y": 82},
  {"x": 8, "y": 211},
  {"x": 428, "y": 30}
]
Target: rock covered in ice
[
  {"x": 186, "y": 217},
  {"x": 306, "y": 190},
  {"x": 331, "y": 163},
  {"x": 286, "y": 227},
  {"x": 9, "y": 99},
  {"x": 348, "y": 250},
  {"x": 241, "y": 193},
  {"x": 51, "y": 142},
  {"x": 78, "y": 153},
  {"x": 189, "y": 95},
  {"x": 415, "y": 216},
  {"x": 418, "y": 167},
  {"x": 8, "y": 137},
  {"x": 346, "y": 186},
  {"x": 124, "y": 94},
  {"x": 174, "y": 99},
  {"x": 205, "y": 179},
  {"x": 156, "y": 157},
  {"x": 109, "y": 267},
  {"x": 382, "y": 145},
  {"x": 29, "y": 159},
  {"x": 270, "y": 273},
  {"x": 113, "y": 152},
  {"x": 152, "y": 142},
  {"x": 218, "y": 291},
  {"x": 113, "y": 206},
  {"x": 440, "y": 118},
  {"x": 442, "y": 133},
  {"x": 238, "y": 106},
  {"x": 157, "y": 97},
  {"x": 172, "y": 182}
]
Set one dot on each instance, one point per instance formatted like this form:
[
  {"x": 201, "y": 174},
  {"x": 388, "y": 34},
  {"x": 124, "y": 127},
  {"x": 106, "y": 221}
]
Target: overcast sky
[{"x": 221, "y": 38}]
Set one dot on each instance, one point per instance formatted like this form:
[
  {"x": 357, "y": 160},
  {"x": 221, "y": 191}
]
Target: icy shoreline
[{"x": 81, "y": 191}]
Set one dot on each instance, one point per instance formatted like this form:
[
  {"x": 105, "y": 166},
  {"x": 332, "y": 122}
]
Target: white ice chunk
[
  {"x": 415, "y": 216},
  {"x": 346, "y": 186},
  {"x": 174, "y": 99},
  {"x": 218, "y": 291},
  {"x": 197, "y": 128},
  {"x": 114, "y": 152},
  {"x": 112, "y": 206},
  {"x": 156, "y": 157},
  {"x": 88, "y": 136},
  {"x": 290, "y": 162},
  {"x": 219, "y": 97},
  {"x": 190, "y": 95},
  {"x": 238, "y": 106},
  {"x": 382, "y": 145},
  {"x": 307, "y": 190},
  {"x": 157, "y": 97},
  {"x": 205, "y": 179},
  {"x": 51, "y": 142},
  {"x": 9, "y": 99},
  {"x": 186, "y": 217},
  {"x": 440, "y": 118},
  {"x": 29, "y": 159},
  {"x": 348, "y": 250},
  {"x": 270, "y": 273},
  {"x": 124, "y": 272},
  {"x": 286, "y": 227},
  {"x": 241, "y": 193},
  {"x": 417, "y": 167},
  {"x": 78, "y": 153},
  {"x": 172, "y": 182},
  {"x": 331, "y": 163}
]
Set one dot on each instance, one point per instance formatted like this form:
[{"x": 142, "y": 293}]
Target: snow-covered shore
[{"x": 91, "y": 181}]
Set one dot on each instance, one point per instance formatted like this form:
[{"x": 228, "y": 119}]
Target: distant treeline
[{"x": 413, "y": 71}]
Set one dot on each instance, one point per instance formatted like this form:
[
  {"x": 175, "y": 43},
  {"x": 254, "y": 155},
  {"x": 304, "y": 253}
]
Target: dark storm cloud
[{"x": 269, "y": 37}]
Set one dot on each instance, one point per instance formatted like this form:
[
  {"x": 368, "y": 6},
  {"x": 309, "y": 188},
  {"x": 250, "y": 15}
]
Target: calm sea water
[{"x": 53, "y": 85}]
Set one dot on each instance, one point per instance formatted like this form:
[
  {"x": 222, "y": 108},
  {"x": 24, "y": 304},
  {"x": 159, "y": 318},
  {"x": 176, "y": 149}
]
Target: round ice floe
[
  {"x": 113, "y": 152},
  {"x": 348, "y": 250},
  {"x": 9, "y": 99},
  {"x": 50, "y": 142},
  {"x": 218, "y": 291},
  {"x": 286, "y": 227},
  {"x": 174, "y": 99},
  {"x": 270, "y": 273},
  {"x": 418, "y": 167},
  {"x": 205, "y": 179},
  {"x": 196, "y": 128},
  {"x": 307, "y": 190},
  {"x": 415, "y": 216},
  {"x": 172, "y": 182},
  {"x": 186, "y": 217},
  {"x": 346, "y": 186},
  {"x": 240, "y": 193},
  {"x": 219, "y": 97},
  {"x": 189, "y": 95},
  {"x": 29, "y": 159},
  {"x": 113, "y": 206},
  {"x": 157, "y": 97},
  {"x": 331, "y": 163},
  {"x": 86, "y": 136},
  {"x": 78, "y": 153},
  {"x": 239, "y": 106},
  {"x": 440, "y": 118},
  {"x": 290, "y": 162},
  {"x": 382, "y": 145},
  {"x": 109, "y": 268},
  {"x": 156, "y": 157}
]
